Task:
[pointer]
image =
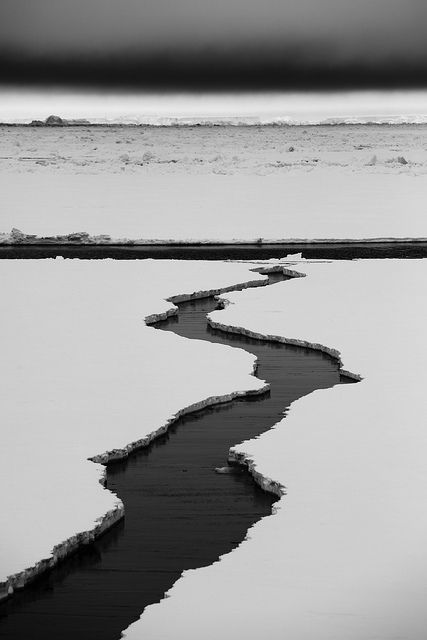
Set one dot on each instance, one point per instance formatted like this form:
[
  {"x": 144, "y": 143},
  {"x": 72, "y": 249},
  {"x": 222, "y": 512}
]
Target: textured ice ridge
[
  {"x": 61, "y": 551},
  {"x": 17, "y": 237}
]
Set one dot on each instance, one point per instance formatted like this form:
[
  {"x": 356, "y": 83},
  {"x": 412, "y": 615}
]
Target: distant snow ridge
[{"x": 224, "y": 121}]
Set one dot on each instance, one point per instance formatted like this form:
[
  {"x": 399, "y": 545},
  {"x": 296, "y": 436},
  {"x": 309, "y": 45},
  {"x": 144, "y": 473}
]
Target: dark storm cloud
[{"x": 204, "y": 43}]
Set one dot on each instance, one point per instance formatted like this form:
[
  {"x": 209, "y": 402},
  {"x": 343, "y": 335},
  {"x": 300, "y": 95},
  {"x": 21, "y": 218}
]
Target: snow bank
[
  {"x": 83, "y": 376},
  {"x": 344, "y": 556}
]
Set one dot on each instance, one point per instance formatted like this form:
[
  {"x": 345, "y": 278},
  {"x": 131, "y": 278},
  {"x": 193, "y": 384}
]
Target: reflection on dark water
[{"x": 180, "y": 514}]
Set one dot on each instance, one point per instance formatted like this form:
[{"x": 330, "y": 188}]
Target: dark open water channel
[
  {"x": 327, "y": 251},
  {"x": 180, "y": 514}
]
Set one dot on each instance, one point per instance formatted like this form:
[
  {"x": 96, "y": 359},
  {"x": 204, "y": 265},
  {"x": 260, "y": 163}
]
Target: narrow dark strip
[
  {"x": 180, "y": 514},
  {"x": 278, "y": 65},
  {"x": 325, "y": 251}
]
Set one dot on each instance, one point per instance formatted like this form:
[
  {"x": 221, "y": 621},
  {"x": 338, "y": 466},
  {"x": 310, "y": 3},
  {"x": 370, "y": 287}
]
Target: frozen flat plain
[
  {"x": 216, "y": 183},
  {"x": 344, "y": 556},
  {"x": 82, "y": 375}
]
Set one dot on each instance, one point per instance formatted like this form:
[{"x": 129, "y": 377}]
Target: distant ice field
[
  {"x": 393, "y": 107},
  {"x": 215, "y": 184}
]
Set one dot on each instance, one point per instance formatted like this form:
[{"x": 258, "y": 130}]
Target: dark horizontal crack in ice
[{"x": 323, "y": 251}]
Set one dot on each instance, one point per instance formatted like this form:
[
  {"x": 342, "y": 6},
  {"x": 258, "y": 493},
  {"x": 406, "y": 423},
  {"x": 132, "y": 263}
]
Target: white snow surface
[
  {"x": 344, "y": 556},
  {"x": 226, "y": 184},
  {"x": 322, "y": 204},
  {"x": 82, "y": 374}
]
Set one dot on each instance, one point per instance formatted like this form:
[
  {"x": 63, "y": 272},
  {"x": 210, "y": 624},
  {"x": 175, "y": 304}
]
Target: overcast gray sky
[{"x": 372, "y": 32}]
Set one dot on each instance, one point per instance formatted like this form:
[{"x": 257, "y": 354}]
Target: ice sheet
[{"x": 216, "y": 183}]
